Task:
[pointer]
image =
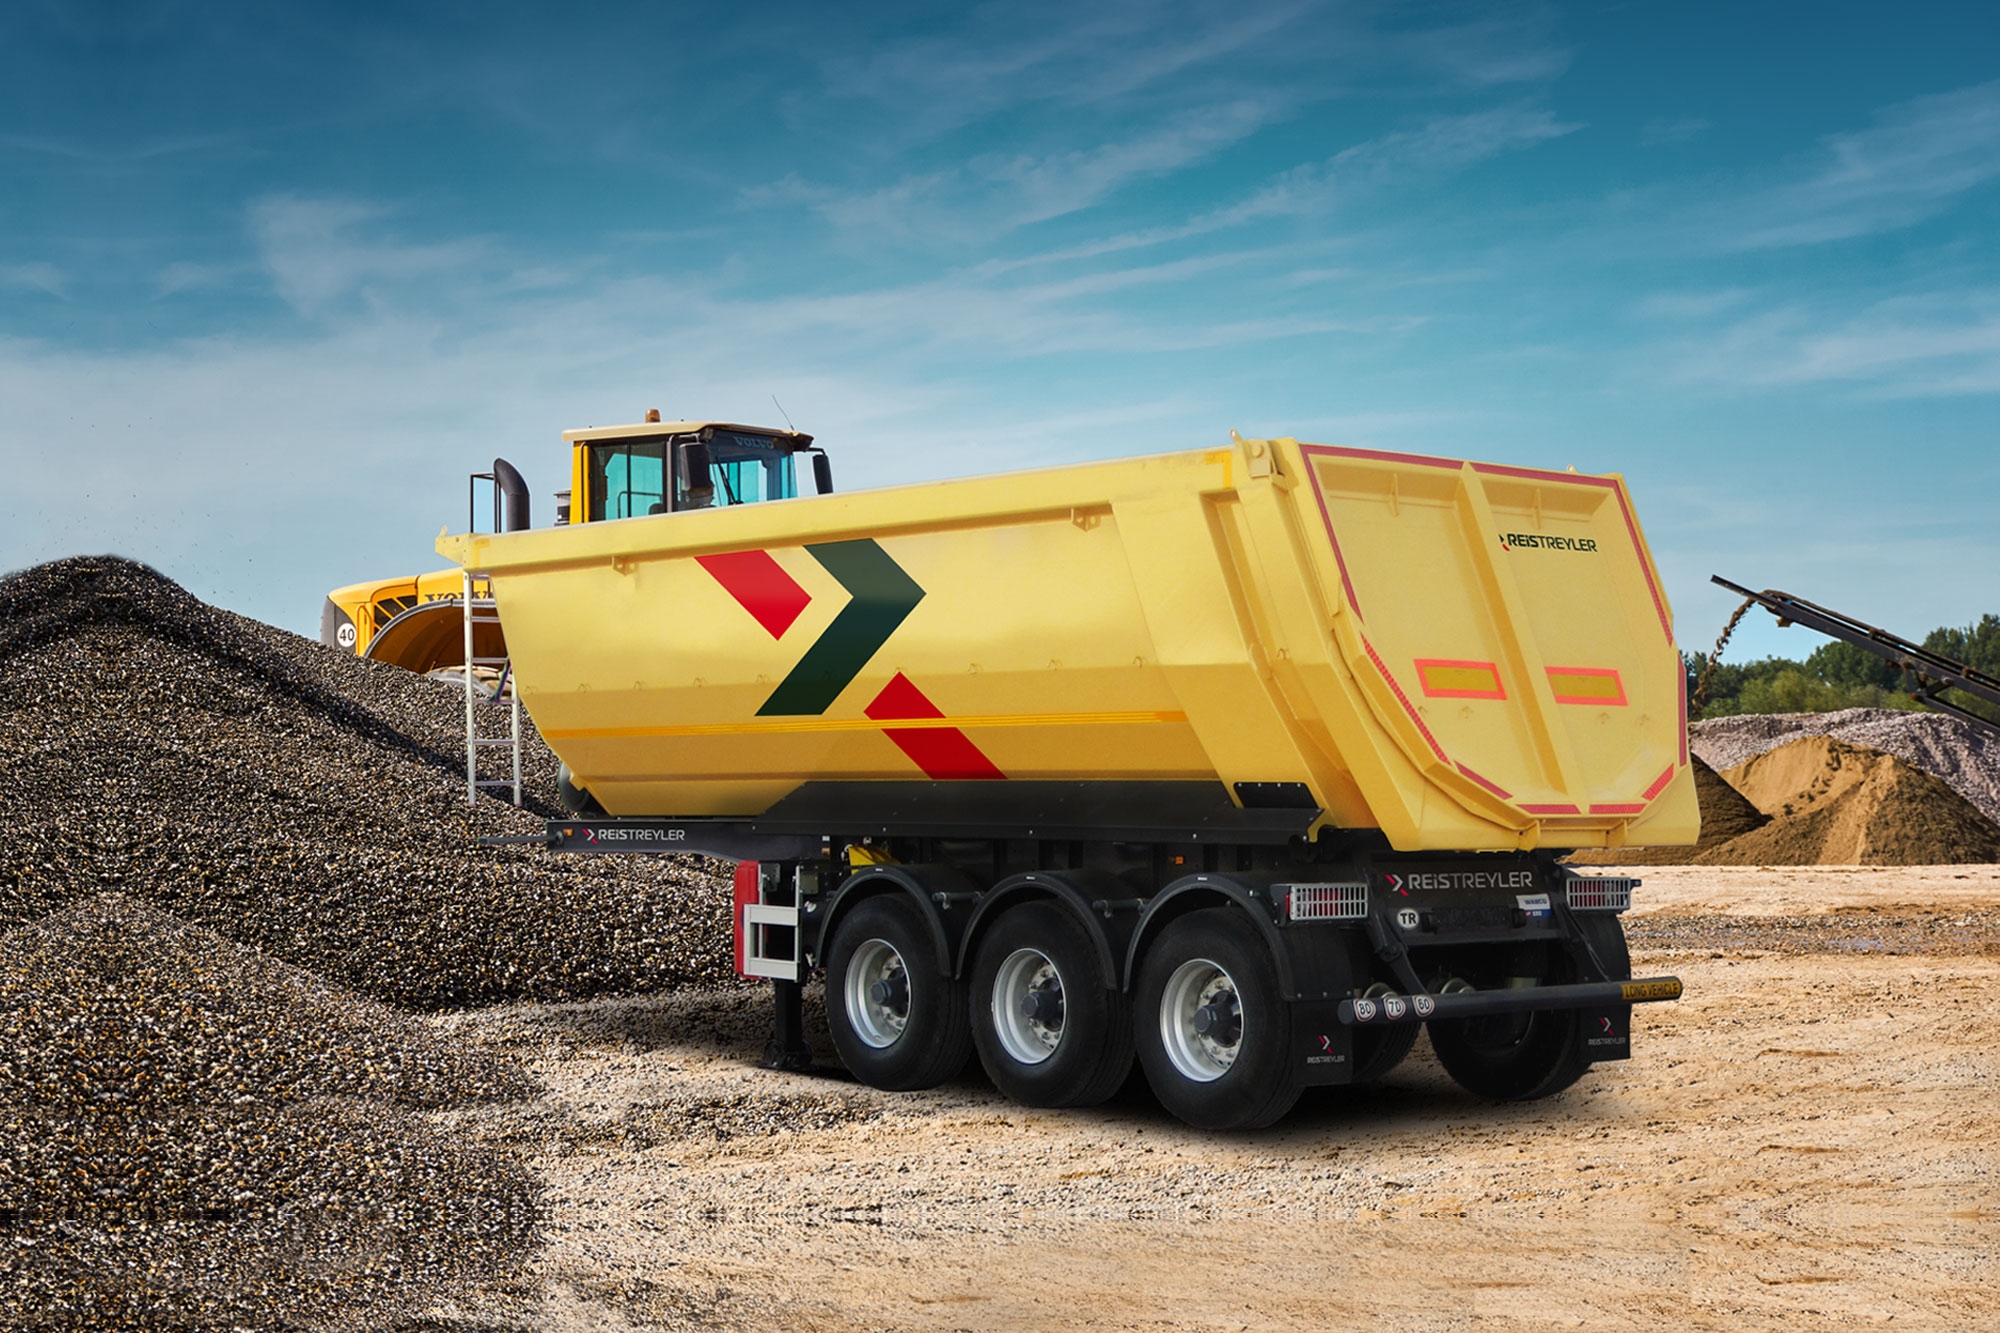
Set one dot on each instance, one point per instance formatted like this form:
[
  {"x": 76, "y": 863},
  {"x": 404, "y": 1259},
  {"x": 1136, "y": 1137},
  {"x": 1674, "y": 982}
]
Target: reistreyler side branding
[{"x": 1536, "y": 541}]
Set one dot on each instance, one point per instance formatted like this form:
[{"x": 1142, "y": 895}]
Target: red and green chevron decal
[{"x": 881, "y": 597}]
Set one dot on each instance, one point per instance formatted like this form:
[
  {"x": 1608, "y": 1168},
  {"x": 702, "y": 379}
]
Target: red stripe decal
[
  {"x": 941, "y": 752},
  {"x": 1353, "y": 603},
  {"x": 1551, "y": 810},
  {"x": 1496, "y": 790},
  {"x": 1639, "y": 809},
  {"x": 1684, "y": 725},
  {"x": 760, "y": 586},
  {"x": 1659, "y": 784},
  {"x": 1401, "y": 698}
]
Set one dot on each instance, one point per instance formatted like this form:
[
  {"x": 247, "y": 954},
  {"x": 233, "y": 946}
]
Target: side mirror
[
  {"x": 696, "y": 479},
  {"x": 822, "y": 473}
]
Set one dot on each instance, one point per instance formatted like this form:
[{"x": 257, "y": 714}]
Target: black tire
[
  {"x": 1378, "y": 1050},
  {"x": 1521, "y": 1057},
  {"x": 930, "y": 1040},
  {"x": 1092, "y": 1019},
  {"x": 1258, "y": 1084}
]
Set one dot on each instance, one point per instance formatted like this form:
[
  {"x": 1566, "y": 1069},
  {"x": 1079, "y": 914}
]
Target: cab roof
[{"x": 651, "y": 429}]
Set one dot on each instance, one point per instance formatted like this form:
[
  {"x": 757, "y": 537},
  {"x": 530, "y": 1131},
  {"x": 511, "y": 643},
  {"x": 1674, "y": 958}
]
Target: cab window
[{"x": 628, "y": 478}]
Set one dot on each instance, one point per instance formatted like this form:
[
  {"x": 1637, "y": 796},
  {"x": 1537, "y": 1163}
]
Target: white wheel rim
[
  {"x": 877, "y": 1021},
  {"x": 1202, "y": 1057},
  {"x": 1024, "y": 990}
]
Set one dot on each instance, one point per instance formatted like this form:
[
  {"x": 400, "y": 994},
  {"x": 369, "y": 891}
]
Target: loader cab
[{"x": 673, "y": 467}]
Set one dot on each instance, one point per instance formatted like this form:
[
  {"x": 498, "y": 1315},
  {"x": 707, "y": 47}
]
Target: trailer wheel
[
  {"x": 898, "y": 1018},
  {"x": 1213, "y": 1033},
  {"x": 1051, "y": 1028}
]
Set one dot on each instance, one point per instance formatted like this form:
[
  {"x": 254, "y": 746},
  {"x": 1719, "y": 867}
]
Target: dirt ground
[{"x": 1810, "y": 1139}]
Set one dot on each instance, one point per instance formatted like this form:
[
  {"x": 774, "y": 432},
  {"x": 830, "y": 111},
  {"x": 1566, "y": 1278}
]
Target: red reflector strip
[
  {"x": 1550, "y": 810},
  {"x": 1501, "y": 792},
  {"x": 1587, "y": 685},
  {"x": 1659, "y": 783},
  {"x": 1634, "y": 809},
  {"x": 1444, "y": 678},
  {"x": 1401, "y": 698}
]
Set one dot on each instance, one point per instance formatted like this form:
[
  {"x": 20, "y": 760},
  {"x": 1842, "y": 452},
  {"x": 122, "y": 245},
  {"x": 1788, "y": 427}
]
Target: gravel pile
[
  {"x": 1965, "y": 756},
  {"x": 289, "y": 797},
  {"x": 195, "y": 1136}
]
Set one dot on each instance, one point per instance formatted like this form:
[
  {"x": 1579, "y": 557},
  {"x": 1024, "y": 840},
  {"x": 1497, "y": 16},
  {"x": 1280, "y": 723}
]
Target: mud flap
[
  {"x": 1322, "y": 1046},
  {"x": 1607, "y": 1033}
]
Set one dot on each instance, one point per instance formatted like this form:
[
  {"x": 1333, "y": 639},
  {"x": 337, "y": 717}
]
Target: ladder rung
[
  {"x": 493, "y": 740},
  {"x": 491, "y": 661},
  {"x": 494, "y": 782}
]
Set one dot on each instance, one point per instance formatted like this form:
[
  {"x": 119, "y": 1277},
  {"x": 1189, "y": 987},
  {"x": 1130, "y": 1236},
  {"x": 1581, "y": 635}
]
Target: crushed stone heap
[
  {"x": 195, "y": 1136},
  {"x": 1963, "y": 755},
  {"x": 282, "y": 795}
]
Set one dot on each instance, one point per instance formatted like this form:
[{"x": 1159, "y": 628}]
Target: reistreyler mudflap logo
[{"x": 882, "y": 594}]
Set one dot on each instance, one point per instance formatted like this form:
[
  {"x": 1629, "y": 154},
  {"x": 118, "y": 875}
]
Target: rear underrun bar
[{"x": 1378, "y": 1010}]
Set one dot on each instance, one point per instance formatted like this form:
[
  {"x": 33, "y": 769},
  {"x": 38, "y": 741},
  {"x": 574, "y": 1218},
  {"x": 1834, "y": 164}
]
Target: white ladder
[{"x": 483, "y": 611}]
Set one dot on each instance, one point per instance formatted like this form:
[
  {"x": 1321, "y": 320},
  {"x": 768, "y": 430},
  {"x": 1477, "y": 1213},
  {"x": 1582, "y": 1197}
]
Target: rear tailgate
[{"x": 1508, "y": 627}]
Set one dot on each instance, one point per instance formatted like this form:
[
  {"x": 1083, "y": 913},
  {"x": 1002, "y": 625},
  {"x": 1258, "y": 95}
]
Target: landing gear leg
[{"x": 787, "y": 1048}]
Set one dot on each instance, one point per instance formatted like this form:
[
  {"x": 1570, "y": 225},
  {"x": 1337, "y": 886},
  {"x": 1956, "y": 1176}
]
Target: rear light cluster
[
  {"x": 1600, "y": 893},
  {"x": 1327, "y": 902}
]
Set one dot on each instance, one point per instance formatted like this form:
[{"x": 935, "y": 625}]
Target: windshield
[
  {"x": 745, "y": 469},
  {"x": 628, "y": 478}
]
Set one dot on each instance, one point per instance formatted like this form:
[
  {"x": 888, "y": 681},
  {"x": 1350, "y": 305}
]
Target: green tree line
[{"x": 1838, "y": 675}]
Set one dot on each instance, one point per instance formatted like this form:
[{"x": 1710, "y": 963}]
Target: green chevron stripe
[{"x": 883, "y": 596}]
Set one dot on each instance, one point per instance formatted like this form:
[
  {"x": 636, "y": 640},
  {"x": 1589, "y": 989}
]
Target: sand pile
[
  {"x": 1820, "y": 801},
  {"x": 282, "y": 795},
  {"x": 1965, "y": 756},
  {"x": 198, "y": 1137},
  {"x": 1838, "y": 804}
]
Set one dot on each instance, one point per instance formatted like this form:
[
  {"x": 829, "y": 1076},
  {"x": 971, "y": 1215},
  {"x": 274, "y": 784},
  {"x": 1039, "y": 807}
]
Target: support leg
[{"x": 787, "y": 1048}]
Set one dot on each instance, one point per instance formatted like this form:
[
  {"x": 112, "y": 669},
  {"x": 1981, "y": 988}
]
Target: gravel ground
[
  {"x": 198, "y": 1137},
  {"x": 1807, "y": 1141},
  {"x": 310, "y": 804},
  {"x": 1963, "y": 755}
]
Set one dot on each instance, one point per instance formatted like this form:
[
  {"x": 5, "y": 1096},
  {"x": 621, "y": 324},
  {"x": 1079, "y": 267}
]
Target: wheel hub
[
  {"x": 877, "y": 993},
  {"x": 1028, "y": 1009},
  {"x": 1201, "y": 1020}
]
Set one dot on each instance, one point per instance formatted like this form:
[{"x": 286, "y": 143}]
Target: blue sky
[{"x": 273, "y": 279}]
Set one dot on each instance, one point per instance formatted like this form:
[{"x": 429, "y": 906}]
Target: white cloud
[
  {"x": 1919, "y": 157},
  {"x": 38, "y": 276},
  {"x": 1933, "y": 344},
  {"x": 317, "y": 254}
]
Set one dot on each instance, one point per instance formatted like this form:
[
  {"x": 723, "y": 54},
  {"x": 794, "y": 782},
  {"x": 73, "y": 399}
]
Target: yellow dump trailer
[{"x": 1331, "y": 708}]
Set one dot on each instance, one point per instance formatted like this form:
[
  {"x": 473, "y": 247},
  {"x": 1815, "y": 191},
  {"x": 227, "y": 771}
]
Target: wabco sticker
[
  {"x": 1364, "y": 1010},
  {"x": 1424, "y": 1005},
  {"x": 1393, "y": 1006},
  {"x": 1534, "y": 904}
]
